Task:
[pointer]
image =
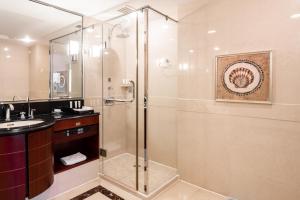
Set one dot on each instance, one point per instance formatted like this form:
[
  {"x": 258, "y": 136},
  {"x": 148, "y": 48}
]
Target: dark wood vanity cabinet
[
  {"x": 40, "y": 161},
  {"x": 75, "y": 135},
  {"x": 26, "y": 164},
  {"x": 12, "y": 167},
  {"x": 29, "y": 160}
]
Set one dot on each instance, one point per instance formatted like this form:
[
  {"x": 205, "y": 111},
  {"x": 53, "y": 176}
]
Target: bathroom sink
[{"x": 18, "y": 124}]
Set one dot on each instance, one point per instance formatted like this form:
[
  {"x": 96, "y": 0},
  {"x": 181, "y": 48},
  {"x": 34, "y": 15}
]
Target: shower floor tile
[{"x": 122, "y": 169}]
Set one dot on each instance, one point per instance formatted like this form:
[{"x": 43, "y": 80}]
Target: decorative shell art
[{"x": 243, "y": 77}]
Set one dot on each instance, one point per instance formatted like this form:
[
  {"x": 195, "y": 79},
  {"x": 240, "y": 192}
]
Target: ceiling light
[
  {"x": 216, "y": 48},
  {"x": 191, "y": 50},
  {"x": 8, "y": 56},
  {"x": 211, "y": 31},
  {"x": 26, "y": 39},
  {"x": 73, "y": 47},
  {"x": 5, "y": 49},
  {"x": 295, "y": 16}
]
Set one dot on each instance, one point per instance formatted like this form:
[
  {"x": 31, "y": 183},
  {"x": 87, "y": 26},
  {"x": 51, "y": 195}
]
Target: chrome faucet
[
  {"x": 30, "y": 111},
  {"x": 9, "y": 108},
  {"x": 32, "y": 114}
]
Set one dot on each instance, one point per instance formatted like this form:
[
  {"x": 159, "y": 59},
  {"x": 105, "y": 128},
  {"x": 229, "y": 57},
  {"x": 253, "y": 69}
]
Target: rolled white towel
[{"x": 73, "y": 159}]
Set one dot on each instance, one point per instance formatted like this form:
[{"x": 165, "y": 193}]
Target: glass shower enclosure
[{"x": 139, "y": 88}]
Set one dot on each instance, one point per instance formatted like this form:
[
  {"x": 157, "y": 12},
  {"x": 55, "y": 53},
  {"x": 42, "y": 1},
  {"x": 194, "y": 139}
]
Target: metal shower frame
[{"x": 145, "y": 11}]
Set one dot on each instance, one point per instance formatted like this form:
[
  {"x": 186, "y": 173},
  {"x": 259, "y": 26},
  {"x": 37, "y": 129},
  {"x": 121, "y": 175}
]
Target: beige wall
[
  {"x": 24, "y": 71},
  {"x": 247, "y": 151},
  {"x": 162, "y": 90},
  {"x": 14, "y": 71},
  {"x": 39, "y": 71}
]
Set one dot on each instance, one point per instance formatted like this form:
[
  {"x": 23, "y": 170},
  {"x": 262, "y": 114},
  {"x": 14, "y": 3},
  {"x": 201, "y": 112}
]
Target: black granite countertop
[
  {"x": 49, "y": 120},
  {"x": 63, "y": 116}
]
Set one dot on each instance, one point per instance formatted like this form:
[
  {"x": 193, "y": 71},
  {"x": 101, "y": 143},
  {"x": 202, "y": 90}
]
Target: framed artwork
[{"x": 244, "y": 77}]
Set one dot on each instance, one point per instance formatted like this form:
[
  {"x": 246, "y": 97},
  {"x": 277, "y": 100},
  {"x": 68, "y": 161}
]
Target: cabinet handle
[{"x": 77, "y": 124}]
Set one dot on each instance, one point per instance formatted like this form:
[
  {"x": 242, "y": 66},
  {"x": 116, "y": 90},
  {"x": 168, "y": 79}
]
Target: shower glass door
[
  {"x": 120, "y": 101},
  {"x": 139, "y": 90}
]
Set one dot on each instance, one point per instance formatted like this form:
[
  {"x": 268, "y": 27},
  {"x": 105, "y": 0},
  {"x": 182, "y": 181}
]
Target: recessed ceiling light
[
  {"x": 216, "y": 48},
  {"x": 295, "y": 16},
  {"x": 8, "y": 56},
  {"x": 211, "y": 31},
  {"x": 26, "y": 39},
  {"x": 191, "y": 50},
  {"x": 5, "y": 49}
]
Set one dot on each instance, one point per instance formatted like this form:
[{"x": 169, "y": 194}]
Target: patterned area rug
[{"x": 100, "y": 189}]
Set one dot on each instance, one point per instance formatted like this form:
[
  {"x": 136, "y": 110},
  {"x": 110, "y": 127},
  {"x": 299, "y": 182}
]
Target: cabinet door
[
  {"x": 40, "y": 161},
  {"x": 12, "y": 168}
]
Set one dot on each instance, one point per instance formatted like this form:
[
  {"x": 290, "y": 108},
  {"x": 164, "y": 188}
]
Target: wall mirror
[{"x": 40, "y": 51}]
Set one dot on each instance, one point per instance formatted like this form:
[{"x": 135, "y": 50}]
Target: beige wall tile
[{"x": 242, "y": 150}]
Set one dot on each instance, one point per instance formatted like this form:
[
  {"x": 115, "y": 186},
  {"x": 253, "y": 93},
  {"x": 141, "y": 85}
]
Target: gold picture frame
[{"x": 244, "y": 77}]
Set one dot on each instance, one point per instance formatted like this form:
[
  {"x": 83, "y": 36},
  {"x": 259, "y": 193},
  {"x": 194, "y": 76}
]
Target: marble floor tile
[
  {"x": 185, "y": 191},
  {"x": 122, "y": 168},
  {"x": 178, "y": 191}
]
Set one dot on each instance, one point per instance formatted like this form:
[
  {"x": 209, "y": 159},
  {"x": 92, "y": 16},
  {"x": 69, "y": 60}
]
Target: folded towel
[{"x": 73, "y": 159}]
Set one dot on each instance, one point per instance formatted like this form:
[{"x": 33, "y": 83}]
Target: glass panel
[
  {"x": 162, "y": 93},
  {"x": 141, "y": 113},
  {"x": 93, "y": 49},
  {"x": 66, "y": 67},
  {"x": 120, "y": 105}
]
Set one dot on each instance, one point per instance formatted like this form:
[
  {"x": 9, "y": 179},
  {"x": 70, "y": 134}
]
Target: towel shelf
[{"x": 75, "y": 135}]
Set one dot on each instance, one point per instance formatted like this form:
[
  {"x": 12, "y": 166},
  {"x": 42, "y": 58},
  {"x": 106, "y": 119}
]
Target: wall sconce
[{"x": 74, "y": 50}]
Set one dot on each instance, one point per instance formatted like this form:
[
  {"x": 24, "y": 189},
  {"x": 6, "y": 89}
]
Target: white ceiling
[
  {"x": 22, "y": 17},
  {"x": 93, "y": 7}
]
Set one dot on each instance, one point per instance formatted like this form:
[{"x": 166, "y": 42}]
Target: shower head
[
  {"x": 123, "y": 31},
  {"x": 123, "y": 35}
]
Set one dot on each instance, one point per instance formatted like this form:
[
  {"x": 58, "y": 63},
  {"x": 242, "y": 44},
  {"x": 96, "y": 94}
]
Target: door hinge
[{"x": 103, "y": 152}]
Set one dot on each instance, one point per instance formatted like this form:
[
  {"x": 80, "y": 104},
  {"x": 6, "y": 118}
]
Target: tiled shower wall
[{"x": 247, "y": 151}]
